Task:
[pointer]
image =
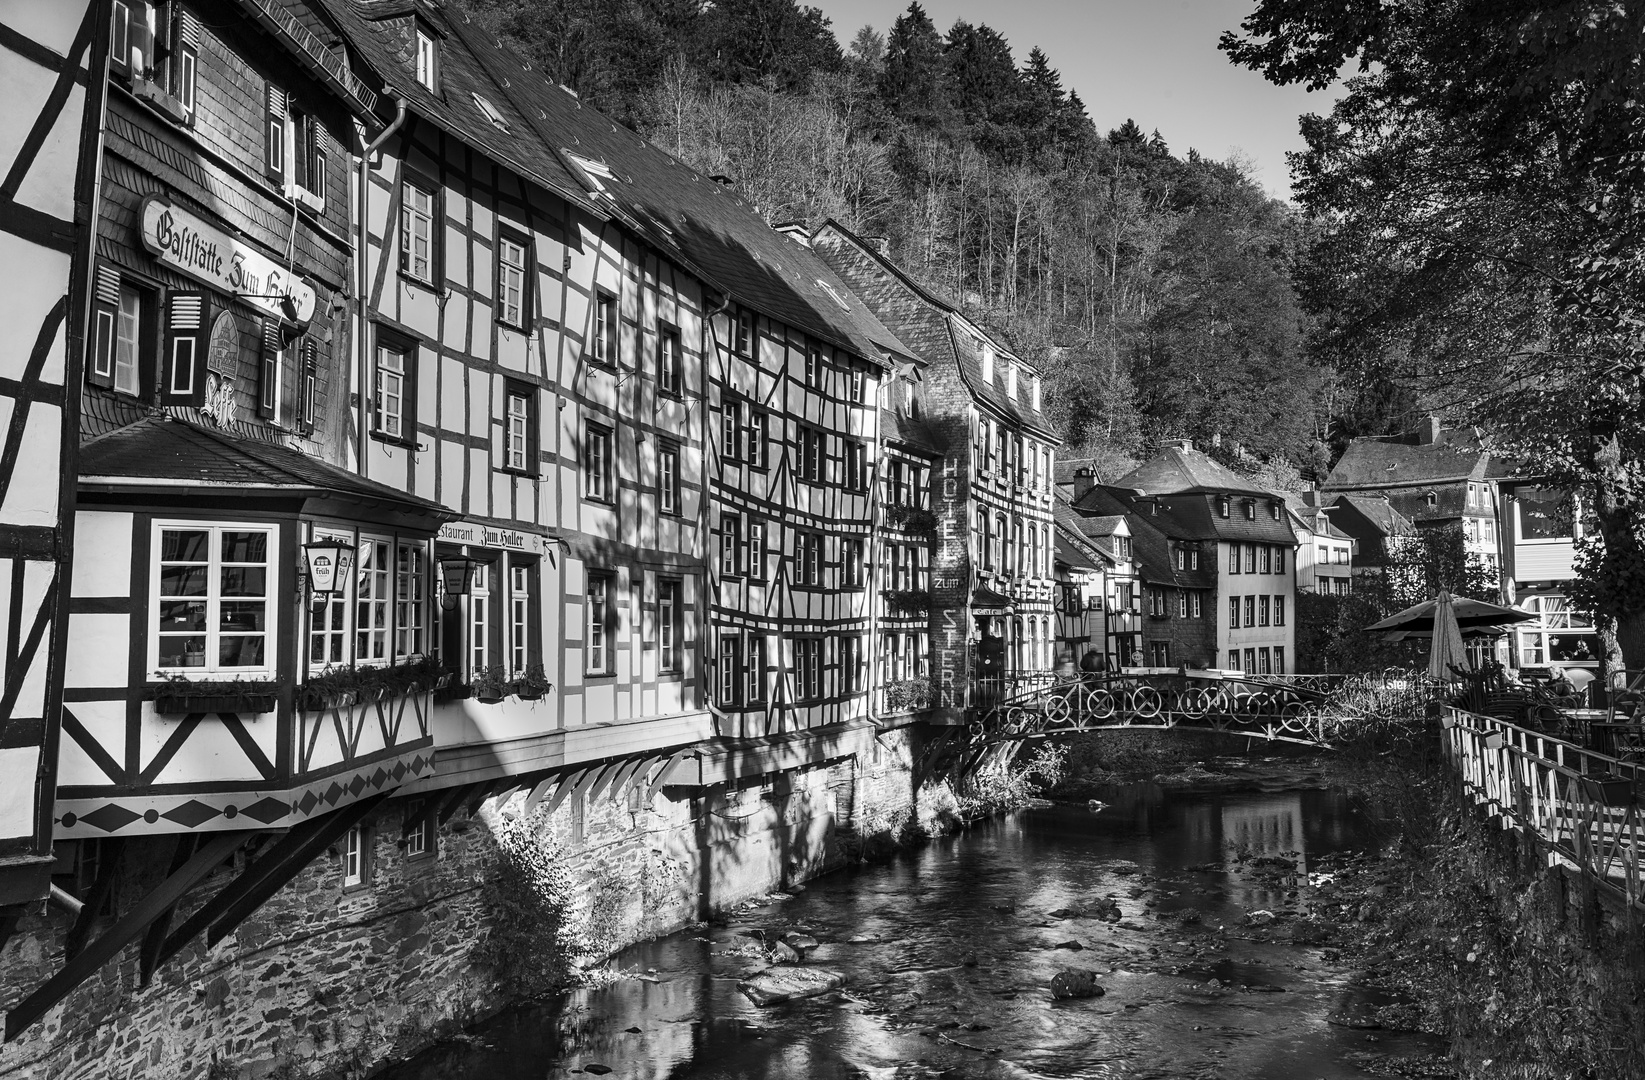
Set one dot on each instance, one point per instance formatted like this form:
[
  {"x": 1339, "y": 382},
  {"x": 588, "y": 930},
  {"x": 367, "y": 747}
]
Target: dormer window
[
  {"x": 1273, "y": 510},
  {"x": 1222, "y": 507},
  {"x": 1432, "y": 499},
  {"x": 1011, "y": 382},
  {"x": 1034, "y": 392},
  {"x": 428, "y": 65},
  {"x": 1250, "y": 510},
  {"x": 987, "y": 363}
]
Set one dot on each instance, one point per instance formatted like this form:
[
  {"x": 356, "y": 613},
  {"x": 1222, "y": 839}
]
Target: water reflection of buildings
[{"x": 1267, "y": 828}]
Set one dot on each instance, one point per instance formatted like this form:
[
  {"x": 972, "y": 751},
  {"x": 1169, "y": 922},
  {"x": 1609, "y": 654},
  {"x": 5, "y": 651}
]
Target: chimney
[
  {"x": 1216, "y": 440},
  {"x": 1084, "y": 481},
  {"x": 1428, "y": 431},
  {"x": 723, "y": 180},
  {"x": 1187, "y": 444},
  {"x": 880, "y": 245}
]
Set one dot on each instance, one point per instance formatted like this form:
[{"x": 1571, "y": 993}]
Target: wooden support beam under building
[
  {"x": 125, "y": 930},
  {"x": 109, "y": 852},
  {"x": 148, "y": 957}
]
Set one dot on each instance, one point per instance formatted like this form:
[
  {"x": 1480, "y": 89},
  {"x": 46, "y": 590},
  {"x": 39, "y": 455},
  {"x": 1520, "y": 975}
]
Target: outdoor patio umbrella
[
  {"x": 1470, "y": 615},
  {"x": 1447, "y": 656}
]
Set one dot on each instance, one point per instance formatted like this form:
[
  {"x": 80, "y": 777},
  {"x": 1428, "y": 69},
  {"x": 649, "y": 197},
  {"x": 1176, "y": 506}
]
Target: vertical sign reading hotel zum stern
[{"x": 950, "y": 586}]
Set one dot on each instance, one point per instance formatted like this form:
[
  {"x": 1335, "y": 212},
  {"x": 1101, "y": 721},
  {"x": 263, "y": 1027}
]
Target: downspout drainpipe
[
  {"x": 709, "y": 348},
  {"x": 362, "y": 251}
]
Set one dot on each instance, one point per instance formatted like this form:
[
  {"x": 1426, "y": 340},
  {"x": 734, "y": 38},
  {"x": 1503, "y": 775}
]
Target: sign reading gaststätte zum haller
[{"x": 186, "y": 244}]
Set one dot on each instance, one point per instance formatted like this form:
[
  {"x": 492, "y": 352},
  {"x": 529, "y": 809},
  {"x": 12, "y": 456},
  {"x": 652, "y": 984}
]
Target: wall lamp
[
  {"x": 330, "y": 564},
  {"x": 456, "y": 579}
]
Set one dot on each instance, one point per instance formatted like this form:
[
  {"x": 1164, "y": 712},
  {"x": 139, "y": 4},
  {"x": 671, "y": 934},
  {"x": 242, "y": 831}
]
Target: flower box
[
  {"x": 1609, "y": 790},
  {"x": 173, "y": 704}
]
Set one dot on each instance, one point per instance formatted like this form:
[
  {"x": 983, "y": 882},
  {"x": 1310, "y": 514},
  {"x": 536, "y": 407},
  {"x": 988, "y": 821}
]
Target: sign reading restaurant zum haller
[
  {"x": 472, "y": 532},
  {"x": 183, "y": 242}
]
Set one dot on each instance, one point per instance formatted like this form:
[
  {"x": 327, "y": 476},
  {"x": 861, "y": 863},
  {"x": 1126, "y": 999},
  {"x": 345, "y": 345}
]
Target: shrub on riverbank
[{"x": 534, "y": 936}]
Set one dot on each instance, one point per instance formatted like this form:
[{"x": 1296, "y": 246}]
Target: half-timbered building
[
  {"x": 992, "y": 570},
  {"x": 48, "y": 136}
]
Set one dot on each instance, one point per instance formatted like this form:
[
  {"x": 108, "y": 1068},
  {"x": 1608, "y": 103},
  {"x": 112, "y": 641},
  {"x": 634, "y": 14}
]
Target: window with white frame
[
  {"x": 519, "y": 618},
  {"x": 1279, "y": 611},
  {"x": 808, "y": 547},
  {"x": 520, "y": 428},
  {"x": 513, "y": 292},
  {"x": 668, "y": 477},
  {"x": 419, "y": 836},
  {"x": 808, "y": 665},
  {"x": 730, "y": 667},
  {"x": 328, "y": 641},
  {"x": 599, "y": 479},
  {"x": 418, "y": 238},
  {"x": 754, "y": 669},
  {"x": 371, "y": 598},
  {"x": 670, "y": 625},
  {"x": 427, "y": 61},
  {"x": 731, "y": 529},
  {"x": 600, "y": 625},
  {"x": 756, "y": 549},
  {"x": 213, "y": 590},
  {"x": 668, "y": 360},
  {"x": 852, "y": 564},
  {"x": 605, "y": 350},
  {"x": 128, "y": 341},
  {"x": 479, "y": 619},
  {"x": 391, "y": 395},
  {"x": 851, "y": 665},
  {"x": 354, "y": 856},
  {"x": 410, "y": 600}
]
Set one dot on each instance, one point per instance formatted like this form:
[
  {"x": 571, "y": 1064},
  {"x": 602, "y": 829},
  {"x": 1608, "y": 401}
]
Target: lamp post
[{"x": 330, "y": 564}]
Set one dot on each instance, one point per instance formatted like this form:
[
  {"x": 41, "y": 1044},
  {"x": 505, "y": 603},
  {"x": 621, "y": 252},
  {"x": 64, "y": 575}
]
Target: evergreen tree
[
  {"x": 752, "y": 41},
  {"x": 913, "y": 84},
  {"x": 1128, "y": 136}
]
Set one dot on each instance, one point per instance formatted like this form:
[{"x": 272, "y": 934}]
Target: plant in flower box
[
  {"x": 335, "y": 688},
  {"x": 430, "y": 673},
  {"x": 532, "y": 684},
  {"x": 490, "y": 684},
  {"x": 178, "y": 695}
]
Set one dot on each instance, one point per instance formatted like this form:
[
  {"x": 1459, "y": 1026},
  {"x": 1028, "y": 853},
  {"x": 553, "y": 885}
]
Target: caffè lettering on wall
[{"x": 183, "y": 242}]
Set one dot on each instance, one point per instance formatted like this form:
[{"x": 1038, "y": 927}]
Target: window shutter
[
  {"x": 308, "y": 403},
  {"x": 185, "y": 350},
  {"x": 319, "y": 151},
  {"x": 274, "y": 134},
  {"x": 105, "y": 315},
  {"x": 186, "y": 63},
  {"x": 268, "y": 381}
]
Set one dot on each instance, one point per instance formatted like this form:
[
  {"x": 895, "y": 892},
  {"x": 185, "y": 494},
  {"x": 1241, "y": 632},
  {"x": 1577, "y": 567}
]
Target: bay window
[
  {"x": 212, "y": 611},
  {"x": 381, "y": 615}
]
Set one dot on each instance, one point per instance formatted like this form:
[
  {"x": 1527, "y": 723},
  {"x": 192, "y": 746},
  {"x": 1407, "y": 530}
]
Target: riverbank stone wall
[{"x": 328, "y": 981}]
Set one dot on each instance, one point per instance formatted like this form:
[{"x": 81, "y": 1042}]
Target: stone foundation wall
[{"x": 325, "y": 980}]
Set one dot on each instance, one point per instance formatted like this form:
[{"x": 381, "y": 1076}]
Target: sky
[{"x": 1154, "y": 61}]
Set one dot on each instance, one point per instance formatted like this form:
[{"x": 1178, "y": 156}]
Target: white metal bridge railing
[{"x": 1580, "y": 805}]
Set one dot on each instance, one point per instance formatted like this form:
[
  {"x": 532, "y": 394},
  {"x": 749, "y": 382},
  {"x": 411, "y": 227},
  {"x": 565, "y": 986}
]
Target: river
[{"x": 948, "y": 951}]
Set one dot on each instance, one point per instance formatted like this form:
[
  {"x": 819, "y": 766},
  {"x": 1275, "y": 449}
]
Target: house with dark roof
[
  {"x": 1434, "y": 477},
  {"x": 992, "y": 569},
  {"x": 1216, "y": 558},
  {"x": 1102, "y": 613},
  {"x": 1325, "y": 554},
  {"x": 1541, "y": 527}
]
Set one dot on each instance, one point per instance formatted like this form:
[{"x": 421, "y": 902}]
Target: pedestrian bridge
[{"x": 1309, "y": 710}]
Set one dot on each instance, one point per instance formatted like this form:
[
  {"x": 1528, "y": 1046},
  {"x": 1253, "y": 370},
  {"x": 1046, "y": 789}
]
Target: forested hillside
[{"x": 1155, "y": 289}]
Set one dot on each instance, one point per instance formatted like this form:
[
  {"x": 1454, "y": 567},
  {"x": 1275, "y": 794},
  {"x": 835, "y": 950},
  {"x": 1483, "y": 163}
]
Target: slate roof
[
  {"x": 1377, "y": 511},
  {"x": 1313, "y": 518},
  {"x": 1177, "y": 469},
  {"x": 1071, "y": 556},
  {"x": 1455, "y": 456},
  {"x": 1151, "y": 538},
  {"x": 696, "y": 222},
  {"x": 932, "y": 325},
  {"x": 158, "y": 448}
]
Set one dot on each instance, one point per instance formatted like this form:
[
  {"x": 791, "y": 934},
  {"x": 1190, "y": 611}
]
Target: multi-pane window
[
  {"x": 599, "y": 480},
  {"x": 859, "y": 383},
  {"x": 754, "y": 670},
  {"x": 668, "y": 478},
  {"x": 519, "y": 618},
  {"x": 1267, "y": 559},
  {"x": 605, "y": 329},
  {"x": 371, "y": 599},
  {"x": 731, "y": 431},
  {"x": 1279, "y": 611},
  {"x": 670, "y": 625},
  {"x": 1233, "y": 558},
  {"x": 354, "y": 856},
  {"x": 808, "y": 664},
  {"x": 417, "y": 236},
  {"x": 599, "y": 625},
  {"x": 390, "y": 392},
  {"x": 731, "y": 527},
  {"x": 427, "y": 59},
  {"x": 852, "y": 564},
  {"x": 856, "y": 465},
  {"x": 517, "y": 455},
  {"x": 1279, "y": 660},
  {"x": 419, "y": 836},
  {"x": 410, "y": 611},
  {"x": 1263, "y": 608},
  {"x": 1250, "y": 558},
  {"x": 512, "y": 293},
  {"x": 808, "y": 557},
  {"x": 814, "y": 369},
  {"x": 479, "y": 619},
  {"x": 811, "y": 454},
  {"x": 756, "y": 550},
  {"x": 668, "y": 360},
  {"x": 744, "y": 331},
  {"x": 212, "y": 599},
  {"x": 756, "y": 449},
  {"x": 1198, "y": 601},
  {"x": 1233, "y": 613},
  {"x": 1250, "y": 611},
  {"x": 851, "y": 667},
  {"x": 128, "y": 341},
  {"x": 731, "y": 667},
  {"x": 1279, "y": 560},
  {"x": 1182, "y": 605}
]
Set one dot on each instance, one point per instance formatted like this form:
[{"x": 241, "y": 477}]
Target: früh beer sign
[{"x": 188, "y": 245}]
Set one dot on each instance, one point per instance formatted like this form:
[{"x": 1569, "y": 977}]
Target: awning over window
[{"x": 985, "y": 601}]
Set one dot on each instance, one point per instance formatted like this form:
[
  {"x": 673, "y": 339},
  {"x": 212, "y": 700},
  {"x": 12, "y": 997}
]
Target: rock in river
[
  {"x": 1075, "y": 983},
  {"x": 787, "y": 982}
]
